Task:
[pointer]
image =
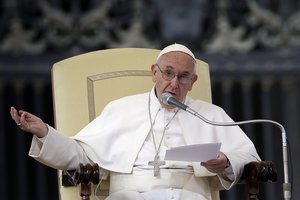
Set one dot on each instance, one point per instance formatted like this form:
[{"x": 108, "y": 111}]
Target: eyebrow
[{"x": 184, "y": 72}]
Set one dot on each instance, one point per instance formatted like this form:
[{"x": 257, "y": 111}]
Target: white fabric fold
[{"x": 115, "y": 139}]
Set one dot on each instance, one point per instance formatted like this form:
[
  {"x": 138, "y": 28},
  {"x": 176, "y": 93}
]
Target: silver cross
[{"x": 156, "y": 164}]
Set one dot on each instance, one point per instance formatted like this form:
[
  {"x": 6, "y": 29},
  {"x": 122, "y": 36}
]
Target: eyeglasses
[{"x": 168, "y": 75}]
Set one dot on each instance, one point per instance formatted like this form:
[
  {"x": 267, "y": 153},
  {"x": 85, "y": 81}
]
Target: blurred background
[{"x": 252, "y": 47}]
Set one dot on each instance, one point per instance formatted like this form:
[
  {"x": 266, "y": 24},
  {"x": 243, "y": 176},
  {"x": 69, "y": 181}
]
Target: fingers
[
  {"x": 214, "y": 168},
  {"x": 216, "y": 165},
  {"x": 14, "y": 114},
  {"x": 23, "y": 116},
  {"x": 18, "y": 116}
]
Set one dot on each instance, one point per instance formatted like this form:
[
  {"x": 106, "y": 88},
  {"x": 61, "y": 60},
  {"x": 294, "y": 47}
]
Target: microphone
[{"x": 168, "y": 99}]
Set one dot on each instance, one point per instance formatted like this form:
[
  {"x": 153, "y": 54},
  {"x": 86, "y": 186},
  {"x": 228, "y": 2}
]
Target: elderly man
[{"x": 130, "y": 138}]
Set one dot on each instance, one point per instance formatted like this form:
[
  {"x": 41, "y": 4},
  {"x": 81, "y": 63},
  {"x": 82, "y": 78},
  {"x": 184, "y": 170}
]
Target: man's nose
[{"x": 175, "y": 82}]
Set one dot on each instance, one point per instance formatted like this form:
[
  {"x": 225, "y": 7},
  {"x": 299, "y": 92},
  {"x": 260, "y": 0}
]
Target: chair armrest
[
  {"x": 85, "y": 174},
  {"x": 256, "y": 172},
  {"x": 253, "y": 174}
]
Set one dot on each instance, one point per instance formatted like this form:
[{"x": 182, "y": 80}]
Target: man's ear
[
  {"x": 194, "y": 79},
  {"x": 154, "y": 71}
]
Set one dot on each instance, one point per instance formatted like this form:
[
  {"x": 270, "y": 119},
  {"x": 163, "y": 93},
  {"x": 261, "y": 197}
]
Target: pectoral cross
[{"x": 156, "y": 164}]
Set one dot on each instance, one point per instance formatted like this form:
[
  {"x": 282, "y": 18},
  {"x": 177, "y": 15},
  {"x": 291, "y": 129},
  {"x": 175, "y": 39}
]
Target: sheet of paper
[{"x": 194, "y": 153}]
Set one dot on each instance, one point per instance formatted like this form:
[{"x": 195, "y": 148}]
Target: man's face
[{"x": 180, "y": 64}]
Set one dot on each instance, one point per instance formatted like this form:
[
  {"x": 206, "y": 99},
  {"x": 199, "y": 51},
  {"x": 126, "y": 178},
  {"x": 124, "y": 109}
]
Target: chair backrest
[{"x": 82, "y": 85}]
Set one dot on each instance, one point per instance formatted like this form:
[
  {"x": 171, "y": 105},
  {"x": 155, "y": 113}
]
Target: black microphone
[{"x": 168, "y": 99}]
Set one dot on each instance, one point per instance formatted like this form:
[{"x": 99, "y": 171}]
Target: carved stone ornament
[{"x": 220, "y": 26}]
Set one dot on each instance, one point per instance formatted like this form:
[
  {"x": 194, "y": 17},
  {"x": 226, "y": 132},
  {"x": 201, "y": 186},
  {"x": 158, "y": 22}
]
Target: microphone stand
[
  {"x": 286, "y": 184},
  {"x": 167, "y": 98}
]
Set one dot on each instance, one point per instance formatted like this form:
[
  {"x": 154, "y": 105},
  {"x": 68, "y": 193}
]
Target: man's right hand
[{"x": 29, "y": 122}]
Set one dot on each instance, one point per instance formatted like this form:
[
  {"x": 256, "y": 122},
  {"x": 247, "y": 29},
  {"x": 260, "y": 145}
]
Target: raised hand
[{"x": 29, "y": 122}]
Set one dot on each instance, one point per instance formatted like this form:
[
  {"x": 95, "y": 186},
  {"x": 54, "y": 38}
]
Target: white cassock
[{"x": 119, "y": 141}]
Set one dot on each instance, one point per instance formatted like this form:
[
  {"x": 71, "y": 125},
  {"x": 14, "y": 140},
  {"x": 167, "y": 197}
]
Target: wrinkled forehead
[{"x": 177, "y": 61}]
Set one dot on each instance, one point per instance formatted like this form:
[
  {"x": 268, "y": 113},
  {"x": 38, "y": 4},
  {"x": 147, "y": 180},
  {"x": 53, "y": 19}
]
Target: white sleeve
[
  {"x": 233, "y": 173},
  {"x": 42, "y": 140},
  {"x": 58, "y": 151}
]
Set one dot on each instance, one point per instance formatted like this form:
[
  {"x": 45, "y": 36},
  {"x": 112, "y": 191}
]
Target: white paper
[{"x": 194, "y": 153}]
